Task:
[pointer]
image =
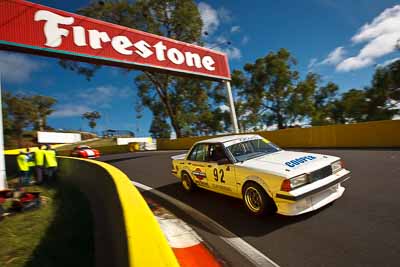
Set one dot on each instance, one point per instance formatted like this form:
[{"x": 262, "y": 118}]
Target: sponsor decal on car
[
  {"x": 199, "y": 174},
  {"x": 293, "y": 163}
]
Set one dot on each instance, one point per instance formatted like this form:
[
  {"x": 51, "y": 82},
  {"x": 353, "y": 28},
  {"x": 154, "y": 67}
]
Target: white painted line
[
  {"x": 244, "y": 248},
  {"x": 178, "y": 233}
]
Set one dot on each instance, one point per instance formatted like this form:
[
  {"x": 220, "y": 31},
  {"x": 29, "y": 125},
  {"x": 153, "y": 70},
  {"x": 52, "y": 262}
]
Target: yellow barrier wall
[
  {"x": 18, "y": 150},
  {"x": 126, "y": 232},
  {"x": 367, "y": 134}
]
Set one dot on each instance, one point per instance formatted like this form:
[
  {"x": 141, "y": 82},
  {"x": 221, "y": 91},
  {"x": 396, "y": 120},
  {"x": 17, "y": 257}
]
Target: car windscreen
[{"x": 251, "y": 149}]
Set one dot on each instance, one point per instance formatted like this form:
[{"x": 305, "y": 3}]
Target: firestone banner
[{"x": 38, "y": 29}]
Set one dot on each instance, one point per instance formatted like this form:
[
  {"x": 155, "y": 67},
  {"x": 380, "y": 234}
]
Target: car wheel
[
  {"x": 257, "y": 200},
  {"x": 187, "y": 182}
]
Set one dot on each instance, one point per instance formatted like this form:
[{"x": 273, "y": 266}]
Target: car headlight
[
  {"x": 337, "y": 166},
  {"x": 298, "y": 181},
  {"x": 292, "y": 183}
]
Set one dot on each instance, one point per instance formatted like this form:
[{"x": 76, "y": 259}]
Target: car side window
[
  {"x": 216, "y": 152},
  {"x": 198, "y": 153},
  {"x": 237, "y": 150}
]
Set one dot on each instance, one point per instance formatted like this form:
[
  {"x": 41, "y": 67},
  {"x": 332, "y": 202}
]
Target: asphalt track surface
[{"x": 360, "y": 229}]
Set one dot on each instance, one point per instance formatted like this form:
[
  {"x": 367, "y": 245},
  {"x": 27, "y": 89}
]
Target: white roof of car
[{"x": 228, "y": 138}]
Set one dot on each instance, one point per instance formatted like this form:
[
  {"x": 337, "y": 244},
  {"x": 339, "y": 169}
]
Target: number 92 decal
[{"x": 219, "y": 175}]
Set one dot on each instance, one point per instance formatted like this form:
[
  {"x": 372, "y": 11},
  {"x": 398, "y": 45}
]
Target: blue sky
[{"x": 341, "y": 40}]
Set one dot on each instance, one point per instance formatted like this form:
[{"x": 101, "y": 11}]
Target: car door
[
  {"x": 221, "y": 177},
  {"x": 196, "y": 163}
]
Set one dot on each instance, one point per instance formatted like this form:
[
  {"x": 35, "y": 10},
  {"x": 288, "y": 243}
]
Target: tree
[
  {"x": 375, "y": 102},
  {"x": 353, "y": 106},
  {"x": 138, "y": 114},
  {"x": 92, "y": 117},
  {"x": 160, "y": 128},
  {"x": 303, "y": 101},
  {"x": 19, "y": 113},
  {"x": 268, "y": 86},
  {"x": 271, "y": 93},
  {"x": 393, "y": 73},
  {"x": 43, "y": 106},
  {"x": 381, "y": 96},
  {"x": 325, "y": 105},
  {"x": 176, "y": 19}
]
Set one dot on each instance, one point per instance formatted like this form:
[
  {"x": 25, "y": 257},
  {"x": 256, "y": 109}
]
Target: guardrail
[
  {"x": 126, "y": 232},
  {"x": 364, "y": 135}
]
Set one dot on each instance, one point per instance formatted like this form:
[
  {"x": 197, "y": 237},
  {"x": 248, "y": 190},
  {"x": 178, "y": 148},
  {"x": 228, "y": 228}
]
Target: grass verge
[{"x": 59, "y": 233}]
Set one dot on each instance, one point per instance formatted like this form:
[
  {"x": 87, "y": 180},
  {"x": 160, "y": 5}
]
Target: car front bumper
[{"x": 313, "y": 196}]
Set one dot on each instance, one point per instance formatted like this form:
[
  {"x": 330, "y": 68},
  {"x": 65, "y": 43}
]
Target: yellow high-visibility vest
[
  {"x": 50, "y": 158},
  {"x": 22, "y": 161},
  {"x": 31, "y": 161},
  {"x": 39, "y": 157}
]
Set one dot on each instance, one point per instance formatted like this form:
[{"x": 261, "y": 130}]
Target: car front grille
[{"x": 320, "y": 174}]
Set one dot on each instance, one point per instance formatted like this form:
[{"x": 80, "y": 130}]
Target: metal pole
[
  {"x": 232, "y": 107},
  {"x": 3, "y": 178}
]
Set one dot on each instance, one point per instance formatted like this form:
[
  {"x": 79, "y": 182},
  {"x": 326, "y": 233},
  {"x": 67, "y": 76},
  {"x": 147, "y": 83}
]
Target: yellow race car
[{"x": 268, "y": 178}]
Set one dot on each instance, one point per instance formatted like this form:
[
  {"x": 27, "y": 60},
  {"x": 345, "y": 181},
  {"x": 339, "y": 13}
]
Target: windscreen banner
[{"x": 37, "y": 29}]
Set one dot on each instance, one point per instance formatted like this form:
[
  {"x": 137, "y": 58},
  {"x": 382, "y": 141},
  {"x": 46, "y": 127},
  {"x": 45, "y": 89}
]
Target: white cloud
[
  {"x": 334, "y": 57},
  {"x": 245, "y": 40},
  {"x": 224, "y": 14},
  {"x": 223, "y": 45},
  {"x": 17, "y": 68},
  {"x": 224, "y": 107},
  {"x": 388, "y": 62},
  {"x": 89, "y": 99},
  {"x": 312, "y": 63},
  {"x": 101, "y": 96},
  {"x": 70, "y": 110},
  {"x": 393, "y": 104},
  {"x": 209, "y": 16},
  {"x": 381, "y": 37},
  {"x": 235, "y": 29},
  {"x": 231, "y": 51},
  {"x": 211, "y": 21}
]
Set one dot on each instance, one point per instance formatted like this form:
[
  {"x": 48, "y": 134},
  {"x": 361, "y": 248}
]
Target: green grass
[{"x": 59, "y": 233}]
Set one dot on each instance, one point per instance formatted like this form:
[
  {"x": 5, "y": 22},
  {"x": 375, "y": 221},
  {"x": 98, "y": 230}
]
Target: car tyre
[
  {"x": 257, "y": 201},
  {"x": 187, "y": 182}
]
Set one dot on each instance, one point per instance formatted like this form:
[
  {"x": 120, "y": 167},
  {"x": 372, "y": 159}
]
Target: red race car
[{"x": 86, "y": 152}]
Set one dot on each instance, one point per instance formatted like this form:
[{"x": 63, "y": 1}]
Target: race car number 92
[{"x": 219, "y": 175}]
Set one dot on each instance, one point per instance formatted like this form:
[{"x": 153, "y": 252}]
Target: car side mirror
[{"x": 223, "y": 161}]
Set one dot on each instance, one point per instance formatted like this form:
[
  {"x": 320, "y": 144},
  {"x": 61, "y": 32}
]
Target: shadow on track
[
  {"x": 226, "y": 211},
  {"x": 110, "y": 161}
]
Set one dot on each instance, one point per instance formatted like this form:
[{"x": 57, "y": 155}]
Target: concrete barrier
[
  {"x": 125, "y": 230},
  {"x": 358, "y": 135}
]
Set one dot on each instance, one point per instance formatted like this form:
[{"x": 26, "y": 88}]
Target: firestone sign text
[
  {"x": 54, "y": 34},
  {"x": 37, "y": 29}
]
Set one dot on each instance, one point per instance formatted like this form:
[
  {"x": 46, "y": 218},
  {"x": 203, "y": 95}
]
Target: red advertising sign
[{"x": 38, "y": 29}]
